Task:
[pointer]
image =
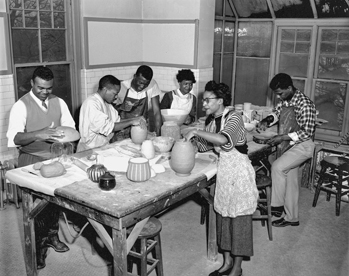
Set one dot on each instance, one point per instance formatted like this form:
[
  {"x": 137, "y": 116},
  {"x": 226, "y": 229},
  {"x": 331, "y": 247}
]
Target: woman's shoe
[{"x": 217, "y": 273}]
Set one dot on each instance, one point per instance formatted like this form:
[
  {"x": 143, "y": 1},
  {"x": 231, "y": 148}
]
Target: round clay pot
[
  {"x": 182, "y": 158},
  {"x": 95, "y": 171},
  {"x": 138, "y": 134},
  {"x": 138, "y": 169},
  {"x": 107, "y": 182}
]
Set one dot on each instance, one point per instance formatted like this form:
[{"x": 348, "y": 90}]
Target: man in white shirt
[
  {"x": 99, "y": 120},
  {"x": 32, "y": 124},
  {"x": 139, "y": 95}
]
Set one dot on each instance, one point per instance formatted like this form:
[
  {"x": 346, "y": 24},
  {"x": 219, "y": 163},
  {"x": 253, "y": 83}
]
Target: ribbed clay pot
[
  {"x": 182, "y": 158},
  {"x": 138, "y": 169},
  {"x": 138, "y": 134}
]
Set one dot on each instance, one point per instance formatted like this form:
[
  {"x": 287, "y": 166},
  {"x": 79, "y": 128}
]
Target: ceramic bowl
[
  {"x": 249, "y": 126},
  {"x": 162, "y": 143},
  {"x": 177, "y": 115}
]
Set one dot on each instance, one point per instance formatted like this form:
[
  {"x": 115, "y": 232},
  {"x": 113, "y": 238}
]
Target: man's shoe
[
  {"x": 283, "y": 223},
  {"x": 56, "y": 244},
  {"x": 40, "y": 258},
  {"x": 277, "y": 211}
]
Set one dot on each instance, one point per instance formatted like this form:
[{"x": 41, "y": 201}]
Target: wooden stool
[
  {"x": 147, "y": 242},
  {"x": 263, "y": 183},
  {"x": 334, "y": 172}
]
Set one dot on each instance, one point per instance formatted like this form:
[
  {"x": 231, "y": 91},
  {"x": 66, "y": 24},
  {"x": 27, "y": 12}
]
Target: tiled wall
[
  {"x": 7, "y": 99},
  {"x": 165, "y": 76}
]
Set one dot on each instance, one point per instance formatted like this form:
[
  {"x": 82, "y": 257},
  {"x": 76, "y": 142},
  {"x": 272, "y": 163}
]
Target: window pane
[
  {"x": 334, "y": 67},
  {"x": 25, "y": 46},
  {"x": 45, "y": 5},
  {"x": 254, "y": 39},
  {"x": 61, "y": 81},
  {"x": 302, "y": 47},
  {"x": 30, "y": 4},
  {"x": 58, "y": 5},
  {"x": 58, "y": 18},
  {"x": 218, "y": 29},
  {"x": 338, "y": 8},
  {"x": 288, "y": 35},
  {"x": 287, "y": 47},
  {"x": 343, "y": 48},
  {"x": 251, "y": 81},
  {"x": 327, "y": 48},
  {"x": 31, "y": 19},
  {"x": 252, "y": 8},
  {"x": 53, "y": 45},
  {"x": 303, "y": 35},
  {"x": 15, "y": 4},
  {"x": 329, "y": 35},
  {"x": 300, "y": 84},
  {"x": 16, "y": 18},
  {"x": 219, "y": 7},
  {"x": 294, "y": 65},
  {"x": 330, "y": 101},
  {"x": 292, "y": 9},
  {"x": 45, "y": 20},
  {"x": 229, "y": 37},
  {"x": 216, "y": 67},
  {"x": 227, "y": 70}
]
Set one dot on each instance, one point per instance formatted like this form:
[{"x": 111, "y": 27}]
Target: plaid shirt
[{"x": 305, "y": 112}]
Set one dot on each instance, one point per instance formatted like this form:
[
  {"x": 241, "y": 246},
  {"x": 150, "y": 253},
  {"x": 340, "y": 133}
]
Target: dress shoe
[
  {"x": 40, "y": 258},
  {"x": 217, "y": 273},
  {"x": 277, "y": 211},
  {"x": 283, "y": 223},
  {"x": 56, "y": 244}
]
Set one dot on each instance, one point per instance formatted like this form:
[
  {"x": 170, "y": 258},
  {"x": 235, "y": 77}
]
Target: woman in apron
[
  {"x": 181, "y": 98},
  {"x": 236, "y": 193}
]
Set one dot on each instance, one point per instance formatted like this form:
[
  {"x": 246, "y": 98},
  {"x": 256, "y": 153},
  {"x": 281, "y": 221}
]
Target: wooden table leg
[
  {"x": 29, "y": 234},
  {"x": 120, "y": 252},
  {"x": 212, "y": 248}
]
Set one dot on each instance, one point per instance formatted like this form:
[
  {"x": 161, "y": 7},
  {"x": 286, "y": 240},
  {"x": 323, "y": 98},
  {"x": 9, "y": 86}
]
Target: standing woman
[
  {"x": 181, "y": 98},
  {"x": 236, "y": 193}
]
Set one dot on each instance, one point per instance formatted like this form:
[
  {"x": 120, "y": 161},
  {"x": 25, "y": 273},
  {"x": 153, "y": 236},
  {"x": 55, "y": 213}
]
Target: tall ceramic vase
[
  {"x": 182, "y": 158},
  {"x": 138, "y": 134}
]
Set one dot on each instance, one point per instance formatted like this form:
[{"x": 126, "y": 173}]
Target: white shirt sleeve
[
  {"x": 17, "y": 122},
  {"x": 66, "y": 118}
]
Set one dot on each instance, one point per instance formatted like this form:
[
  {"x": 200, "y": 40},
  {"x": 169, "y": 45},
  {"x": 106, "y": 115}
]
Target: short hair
[
  {"x": 185, "y": 74},
  {"x": 210, "y": 85},
  {"x": 282, "y": 81},
  {"x": 145, "y": 71},
  {"x": 42, "y": 72},
  {"x": 222, "y": 91},
  {"x": 107, "y": 81}
]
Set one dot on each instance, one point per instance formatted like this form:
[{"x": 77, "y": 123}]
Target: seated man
[
  {"x": 137, "y": 96},
  {"x": 99, "y": 120},
  {"x": 296, "y": 115},
  {"x": 33, "y": 119}
]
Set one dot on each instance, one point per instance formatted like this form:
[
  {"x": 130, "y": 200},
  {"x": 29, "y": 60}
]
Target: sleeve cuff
[
  {"x": 294, "y": 137},
  {"x": 275, "y": 119}
]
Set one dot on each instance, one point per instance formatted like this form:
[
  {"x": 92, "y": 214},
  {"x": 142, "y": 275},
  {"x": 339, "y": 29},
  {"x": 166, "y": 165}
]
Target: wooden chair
[
  {"x": 333, "y": 179},
  {"x": 147, "y": 242}
]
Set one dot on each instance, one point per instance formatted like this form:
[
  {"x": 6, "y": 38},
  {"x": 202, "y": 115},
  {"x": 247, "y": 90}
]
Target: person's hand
[
  {"x": 140, "y": 121},
  {"x": 49, "y": 133},
  {"x": 190, "y": 134},
  {"x": 262, "y": 125},
  {"x": 275, "y": 140}
]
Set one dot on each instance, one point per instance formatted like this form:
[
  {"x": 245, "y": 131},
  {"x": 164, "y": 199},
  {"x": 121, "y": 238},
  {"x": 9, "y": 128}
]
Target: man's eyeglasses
[{"x": 206, "y": 100}]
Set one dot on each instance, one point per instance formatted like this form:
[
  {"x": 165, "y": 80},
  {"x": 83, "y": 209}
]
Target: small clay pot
[
  {"x": 138, "y": 134},
  {"x": 95, "y": 171},
  {"x": 107, "y": 182},
  {"x": 138, "y": 169}
]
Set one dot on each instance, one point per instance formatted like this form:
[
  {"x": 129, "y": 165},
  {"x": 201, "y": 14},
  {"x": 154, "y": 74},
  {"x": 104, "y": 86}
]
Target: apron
[
  {"x": 287, "y": 124},
  {"x": 184, "y": 102},
  {"x": 131, "y": 108}
]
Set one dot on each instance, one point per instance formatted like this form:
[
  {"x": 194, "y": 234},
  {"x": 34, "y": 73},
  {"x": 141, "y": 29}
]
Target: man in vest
[
  {"x": 137, "y": 96},
  {"x": 32, "y": 123}
]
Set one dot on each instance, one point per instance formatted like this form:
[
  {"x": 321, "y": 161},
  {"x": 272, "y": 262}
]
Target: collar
[{"x": 38, "y": 101}]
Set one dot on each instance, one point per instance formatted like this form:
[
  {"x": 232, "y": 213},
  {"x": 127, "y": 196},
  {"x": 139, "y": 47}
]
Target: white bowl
[
  {"x": 163, "y": 143},
  {"x": 177, "y": 115},
  {"x": 249, "y": 126}
]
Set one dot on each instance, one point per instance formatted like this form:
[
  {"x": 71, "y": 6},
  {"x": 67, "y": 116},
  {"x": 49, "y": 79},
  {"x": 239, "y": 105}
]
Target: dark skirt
[{"x": 235, "y": 234}]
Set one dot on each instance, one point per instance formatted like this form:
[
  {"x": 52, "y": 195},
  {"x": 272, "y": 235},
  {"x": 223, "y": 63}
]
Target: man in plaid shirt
[{"x": 284, "y": 171}]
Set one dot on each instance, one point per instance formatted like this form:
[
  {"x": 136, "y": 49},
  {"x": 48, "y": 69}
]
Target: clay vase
[
  {"x": 107, "y": 182},
  {"x": 138, "y": 169},
  {"x": 138, "y": 134},
  {"x": 148, "y": 149},
  {"x": 182, "y": 158}
]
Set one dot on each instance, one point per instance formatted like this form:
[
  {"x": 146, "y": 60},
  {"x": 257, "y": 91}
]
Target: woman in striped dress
[{"x": 236, "y": 193}]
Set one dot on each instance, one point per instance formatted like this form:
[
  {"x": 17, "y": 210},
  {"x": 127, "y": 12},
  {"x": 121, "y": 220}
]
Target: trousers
[{"x": 284, "y": 174}]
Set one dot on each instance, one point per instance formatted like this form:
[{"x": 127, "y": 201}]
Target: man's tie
[{"x": 44, "y": 104}]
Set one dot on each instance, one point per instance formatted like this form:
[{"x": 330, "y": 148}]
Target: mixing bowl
[
  {"x": 162, "y": 143},
  {"x": 177, "y": 115}
]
